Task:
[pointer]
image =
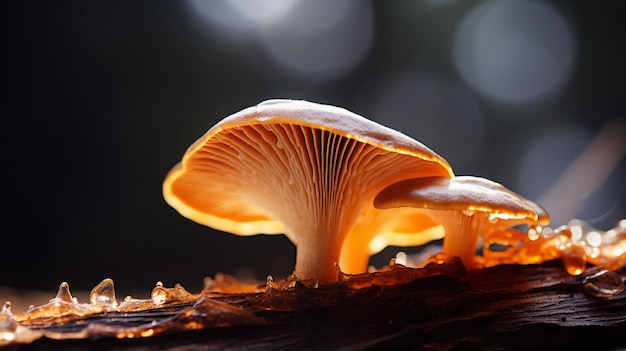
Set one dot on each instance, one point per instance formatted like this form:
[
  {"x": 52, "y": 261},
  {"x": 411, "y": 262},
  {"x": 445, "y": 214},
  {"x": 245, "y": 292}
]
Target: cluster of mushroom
[{"x": 339, "y": 186}]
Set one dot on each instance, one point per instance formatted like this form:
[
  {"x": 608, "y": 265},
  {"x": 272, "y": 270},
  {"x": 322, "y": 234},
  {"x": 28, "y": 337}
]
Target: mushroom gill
[{"x": 299, "y": 168}]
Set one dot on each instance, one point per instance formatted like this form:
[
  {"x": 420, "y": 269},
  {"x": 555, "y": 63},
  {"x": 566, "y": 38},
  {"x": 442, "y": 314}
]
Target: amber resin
[{"x": 577, "y": 244}]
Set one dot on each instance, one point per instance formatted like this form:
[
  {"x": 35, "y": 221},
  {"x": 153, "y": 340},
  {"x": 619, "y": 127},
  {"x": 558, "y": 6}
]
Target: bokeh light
[
  {"x": 318, "y": 40},
  {"x": 239, "y": 19},
  {"x": 440, "y": 113},
  {"x": 515, "y": 51}
]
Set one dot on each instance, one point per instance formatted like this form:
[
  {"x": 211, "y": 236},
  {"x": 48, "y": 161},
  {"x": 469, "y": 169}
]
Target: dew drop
[
  {"x": 468, "y": 213},
  {"x": 8, "y": 325},
  {"x": 401, "y": 258},
  {"x": 103, "y": 294},
  {"x": 547, "y": 232},
  {"x": 493, "y": 218},
  {"x": 64, "y": 293},
  {"x": 159, "y": 284},
  {"x": 159, "y": 295},
  {"x": 577, "y": 228},
  {"x": 604, "y": 284},
  {"x": 6, "y": 308},
  {"x": 534, "y": 232},
  {"x": 269, "y": 285},
  {"x": 594, "y": 238},
  {"x": 574, "y": 260}
]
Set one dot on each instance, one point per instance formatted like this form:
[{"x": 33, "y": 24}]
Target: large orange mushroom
[
  {"x": 467, "y": 207},
  {"x": 306, "y": 170}
]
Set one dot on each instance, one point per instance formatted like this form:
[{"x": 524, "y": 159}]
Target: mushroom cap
[
  {"x": 466, "y": 207},
  {"x": 254, "y": 163},
  {"x": 463, "y": 193}
]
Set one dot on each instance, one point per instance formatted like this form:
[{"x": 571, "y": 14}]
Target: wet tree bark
[{"x": 509, "y": 307}]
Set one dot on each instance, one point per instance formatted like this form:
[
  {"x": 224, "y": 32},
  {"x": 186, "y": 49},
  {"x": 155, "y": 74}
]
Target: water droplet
[
  {"x": 159, "y": 284},
  {"x": 6, "y": 308},
  {"x": 103, "y": 294},
  {"x": 8, "y": 325},
  {"x": 574, "y": 260},
  {"x": 594, "y": 238},
  {"x": 534, "y": 232},
  {"x": 547, "y": 232},
  {"x": 159, "y": 295},
  {"x": 269, "y": 285},
  {"x": 493, "y": 218},
  {"x": 604, "y": 284},
  {"x": 468, "y": 213},
  {"x": 577, "y": 228},
  {"x": 392, "y": 262},
  {"x": 401, "y": 258},
  {"x": 64, "y": 293}
]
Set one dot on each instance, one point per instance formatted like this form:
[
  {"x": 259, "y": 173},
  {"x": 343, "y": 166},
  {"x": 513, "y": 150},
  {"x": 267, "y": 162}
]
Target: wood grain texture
[{"x": 508, "y": 307}]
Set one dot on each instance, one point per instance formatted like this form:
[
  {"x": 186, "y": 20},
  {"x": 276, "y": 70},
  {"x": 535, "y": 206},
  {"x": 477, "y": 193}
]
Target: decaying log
[{"x": 509, "y": 307}]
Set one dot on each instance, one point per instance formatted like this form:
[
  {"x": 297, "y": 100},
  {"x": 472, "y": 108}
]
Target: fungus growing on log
[
  {"x": 306, "y": 170},
  {"x": 466, "y": 206}
]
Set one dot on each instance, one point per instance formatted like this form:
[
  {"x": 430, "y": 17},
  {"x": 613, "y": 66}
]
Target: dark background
[{"x": 101, "y": 99}]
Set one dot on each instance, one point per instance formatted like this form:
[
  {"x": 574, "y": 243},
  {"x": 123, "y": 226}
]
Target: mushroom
[
  {"x": 302, "y": 169},
  {"x": 466, "y": 206},
  {"x": 381, "y": 228}
]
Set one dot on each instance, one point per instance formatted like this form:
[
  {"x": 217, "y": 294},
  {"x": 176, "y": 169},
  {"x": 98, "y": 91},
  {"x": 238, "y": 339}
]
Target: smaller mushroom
[{"x": 467, "y": 207}]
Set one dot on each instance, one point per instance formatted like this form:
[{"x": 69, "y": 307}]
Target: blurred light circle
[
  {"x": 318, "y": 39},
  {"x": 441, "y": 114},
  {"x": 239, "y": 19},
  {"x": 514, "y": 51},
  {"x": 322, "y": 38}
]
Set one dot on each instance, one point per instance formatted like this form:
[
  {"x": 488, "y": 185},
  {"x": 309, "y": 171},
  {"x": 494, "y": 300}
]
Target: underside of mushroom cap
[
  {"x": 460, "y": 193},
  {"x": 272, "y": 146}
]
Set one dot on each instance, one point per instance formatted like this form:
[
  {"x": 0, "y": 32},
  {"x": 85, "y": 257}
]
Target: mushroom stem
[
  {"x": 461, "y": 236},
  {"x": 316, "y": 258}
]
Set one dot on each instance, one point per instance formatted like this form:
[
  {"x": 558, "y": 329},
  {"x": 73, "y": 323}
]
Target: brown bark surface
[{"x": 538, "y": 307}]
